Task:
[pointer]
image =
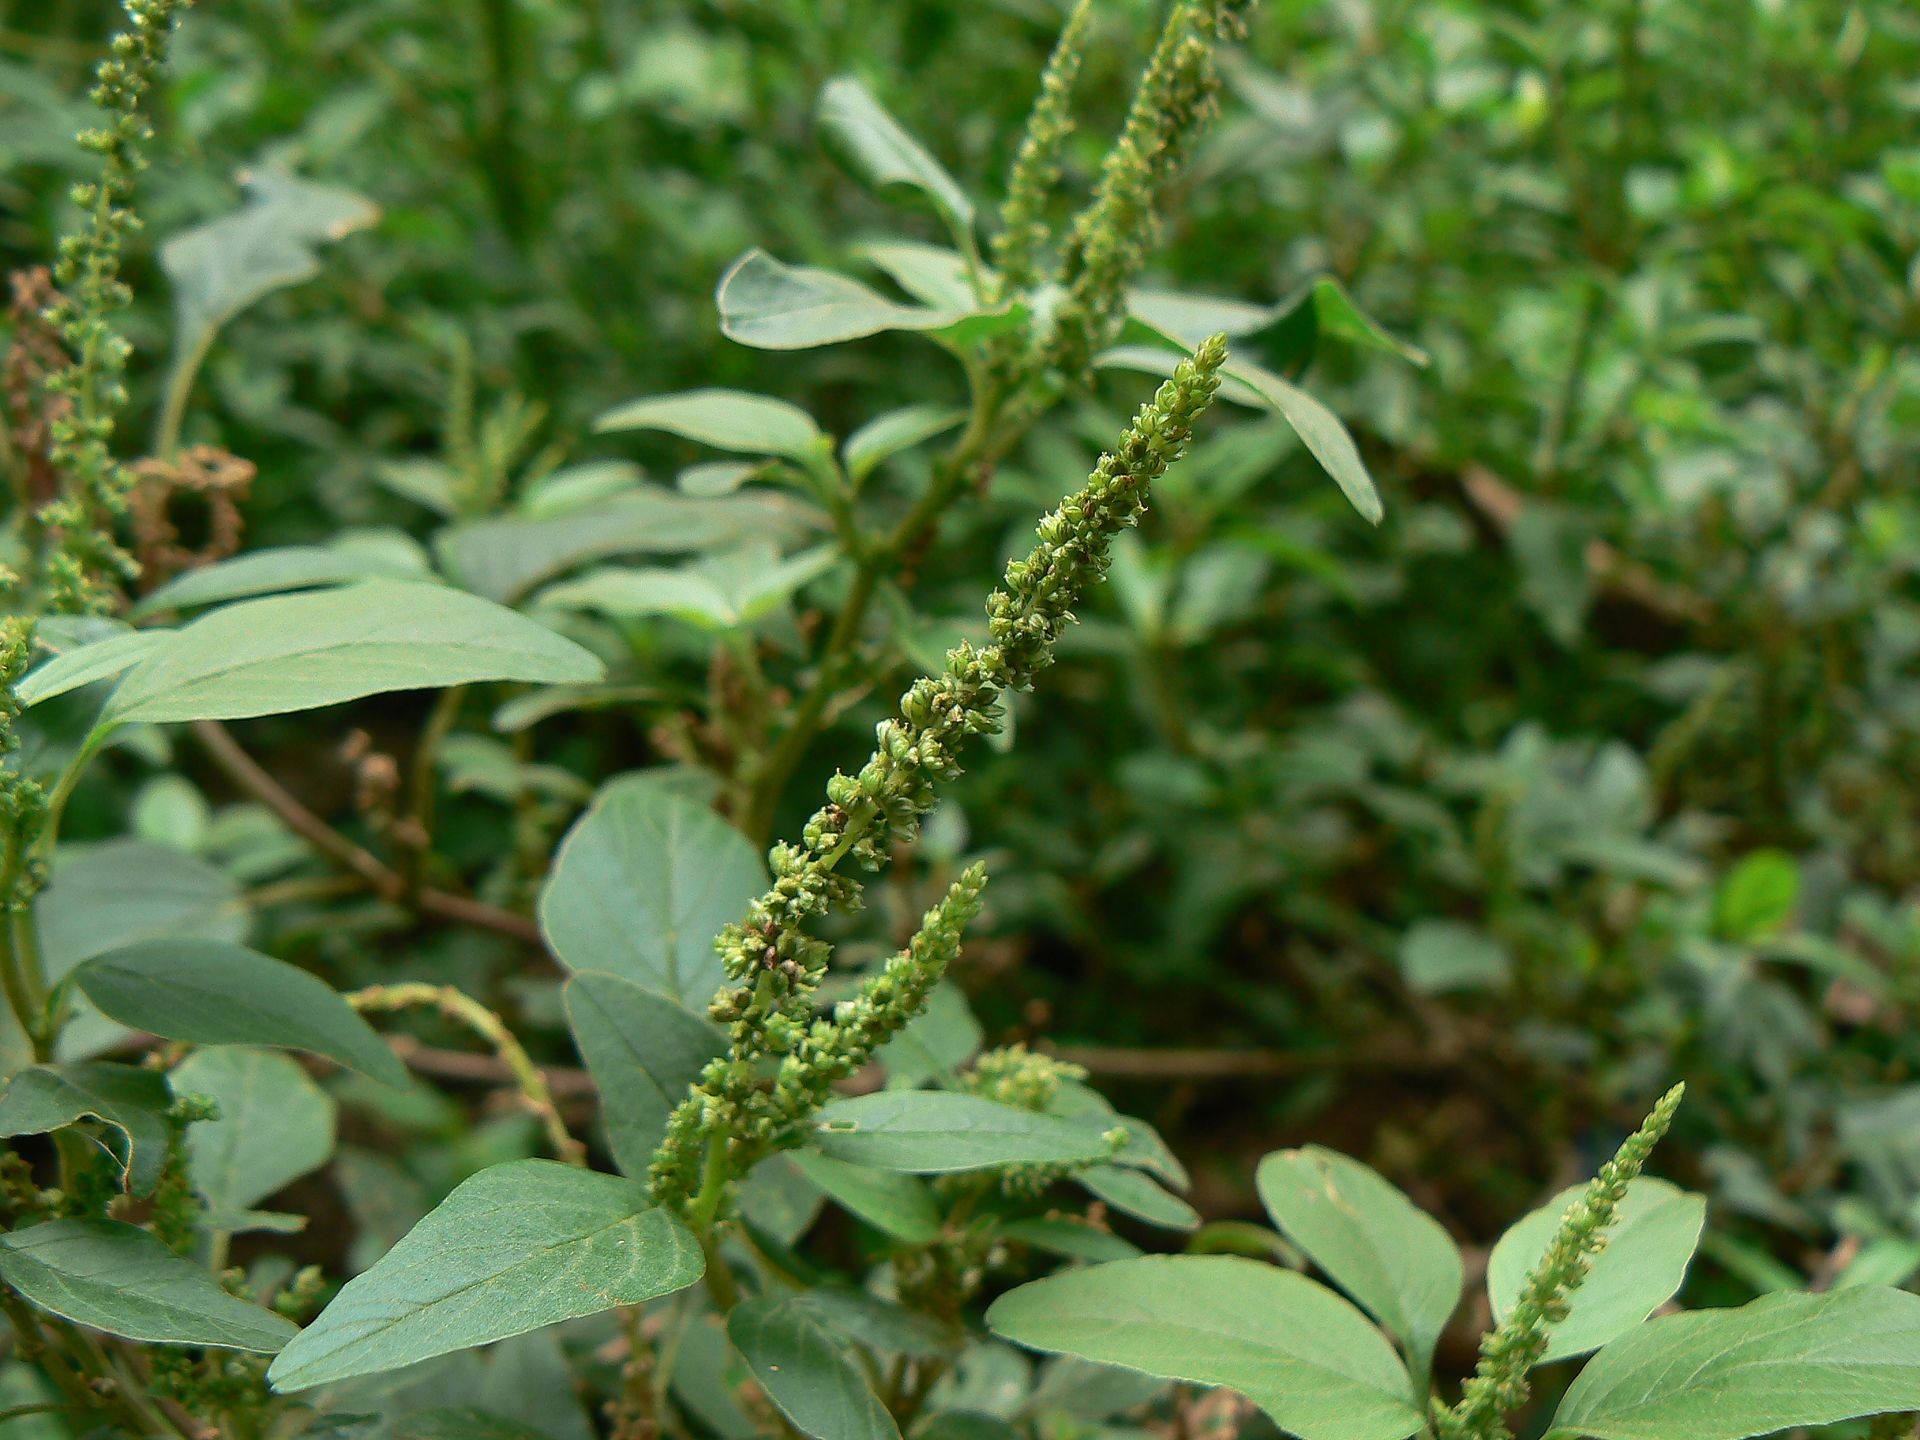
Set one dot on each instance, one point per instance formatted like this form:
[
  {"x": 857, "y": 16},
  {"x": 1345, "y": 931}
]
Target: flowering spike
[
  {"x": 1036, "y": 165},
  {"x": 773, "y": 964},
  {"x": 1499, "y": 1382}
]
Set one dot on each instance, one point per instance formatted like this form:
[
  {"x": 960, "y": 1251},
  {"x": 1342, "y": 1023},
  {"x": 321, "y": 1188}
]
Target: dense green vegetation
[{"x": 556, "y": 433}]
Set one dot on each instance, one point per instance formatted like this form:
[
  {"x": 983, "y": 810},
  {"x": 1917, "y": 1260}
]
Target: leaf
[
  {"x": 1190, "y": 319},
  {"x": 642, "y": 884},
  {"x": 1438, "y": 956},
  {"x": 274, "y": 572},
  {"x": 518, "y": 1246},
  {"x": 102, "y": 660},
  {"x": 1757, "y": 896},
  {"x": 931, "y": 1132},
  {"x": 936, "y": 1042},
  {"x": 122, "y": 1280},
  {"x": 878, "y": 149},
  {"x": 1395, "y": 1261},
  {"x": 1294, "y": 1348},
  {"x": 1244, "y": 383},
  {"x": 1645, "y": 1260},
  {"x": 274, "y": 1125},
  {"x": 726, "y": 419},
  {"x": 644, "y": 1051},
  {"x": 503, "y": 559},
  {"x": 213, "y": 992},
  {"x": 897, "y": 1204},
  {"x": 718, "y": 593},
  {"x": 931, "y": 274},
  {"x": 1337, "y": 313},
  {"x": 1782, "y": 1361},
  {"x": 807, "y": 1373},
  {"x": 220, "y": 268},
  {"x": 1319, "y": 430},
  {"x": 773, "y": 306},
  {"x": 1139, "y": 1196},
  {"x": 879, "y": 440},
  {"x": 1070, "y": 1240},
  {"x": 134, "y": 1101},
  {"x": 300, "y": 652}
]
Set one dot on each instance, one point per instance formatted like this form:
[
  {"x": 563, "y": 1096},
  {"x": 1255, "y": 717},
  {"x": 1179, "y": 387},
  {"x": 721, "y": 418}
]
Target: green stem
[{"x": 983, "y": 440}]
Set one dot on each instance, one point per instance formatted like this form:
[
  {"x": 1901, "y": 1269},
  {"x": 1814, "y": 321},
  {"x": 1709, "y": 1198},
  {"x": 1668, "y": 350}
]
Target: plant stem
[
  {"x": 246, "y": 772},
  {"x": 458, "y": 1006}
]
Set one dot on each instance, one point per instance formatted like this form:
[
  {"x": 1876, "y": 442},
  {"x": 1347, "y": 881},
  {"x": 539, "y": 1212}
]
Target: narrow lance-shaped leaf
[
  {"x": 518, "y": 1246},
  {"x": 726, "y": 419}
]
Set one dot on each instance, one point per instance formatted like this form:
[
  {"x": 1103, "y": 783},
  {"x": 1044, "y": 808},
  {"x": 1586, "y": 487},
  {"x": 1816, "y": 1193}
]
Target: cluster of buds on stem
[{"x": 738, "y": 1111}]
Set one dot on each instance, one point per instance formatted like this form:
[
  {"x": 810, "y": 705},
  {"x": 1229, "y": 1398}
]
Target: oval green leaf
[
  {"x": 214, "y": 992},
  {"x": 931, "y": 1132},
  {"x": 518, "y": 1246},
  {"x": 1294, "y": 1348},
  {"x": 807, "y": 1372}
]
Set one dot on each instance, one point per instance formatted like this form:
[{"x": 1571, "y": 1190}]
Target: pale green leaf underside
[
  {"x": 1294, "y": 1348},
  {"x": 101, "y": 660},
  {"x": 881, "y": 150},
  {"x": 1369, "y": 1239},
  {"x": 275, "y": 1125},
  {"x": 518, "y": 1246},
  {"x": 299, "y": 652},
  {"x": 774, "y": 306},
  {"x": 121, "y": 1279}
]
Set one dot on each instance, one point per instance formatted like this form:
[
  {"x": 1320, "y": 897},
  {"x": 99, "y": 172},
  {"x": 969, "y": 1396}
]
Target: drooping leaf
[
  {"x": 504, "y": 558},
  {"x": 1294, "y": 1348},
  {"x": 520, "y": 1245},
  {"x": 891, "y": 1202},
  {"x": 642, "y": 884},
  {"x": 1782, "y": 1361},
  {"x": 1644, "y": 1261},
  {"x": 1137, "y": 1195},
  {"x": 274, "y": 1125},
  {"x": 773, "y": 306},
  {"x": 275, "y": 572},
  {"x": 1319, "y": 429},
  {"x": 644, "y": 1051},
  {"x": 213, "y": 992},
  {"x": 220, "y": 268},
  {"x": 132, "y": 1100},
  {"x": 121, "y": 1279},
  {"x": 102, "y": 660},
  {"x": 930, "y": 1132},
  {"x": 806, "y": 1371},
  {"x": 879, "y": 149},
  {"x": 299, "y": 652},
  {"x": 1370, "y": 1240},
  {"x": 726, "y": 419}
]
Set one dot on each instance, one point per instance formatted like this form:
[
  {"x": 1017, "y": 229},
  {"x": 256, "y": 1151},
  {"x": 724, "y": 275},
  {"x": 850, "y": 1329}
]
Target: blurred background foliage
[{"x": 1449, "y": 842}]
